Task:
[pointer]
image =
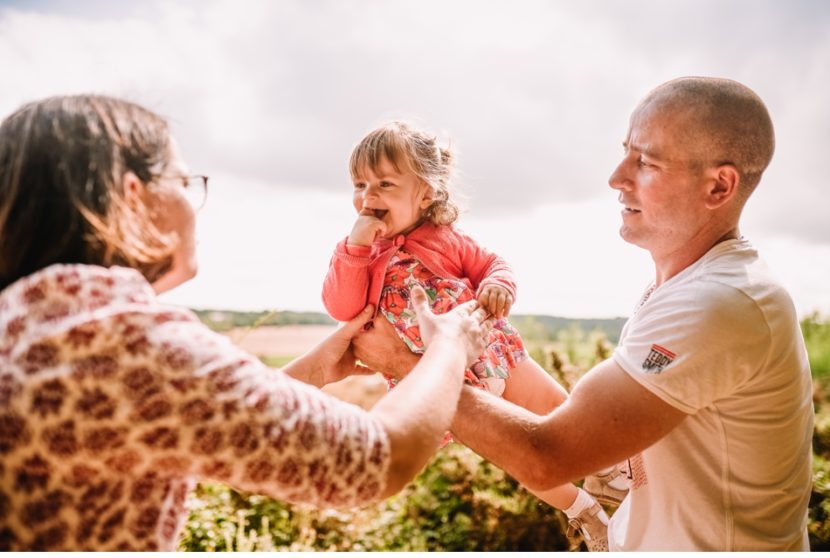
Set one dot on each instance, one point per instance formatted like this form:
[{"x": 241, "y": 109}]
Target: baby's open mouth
[{"x": 380, "y": 213}]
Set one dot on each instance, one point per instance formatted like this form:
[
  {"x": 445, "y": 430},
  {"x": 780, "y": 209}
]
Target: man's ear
[{"x": 725, "y": 181}]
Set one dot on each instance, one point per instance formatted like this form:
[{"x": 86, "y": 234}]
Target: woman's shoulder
[
  {"x": 64, "y": 297},
  {"x": 75, "y": 280}
]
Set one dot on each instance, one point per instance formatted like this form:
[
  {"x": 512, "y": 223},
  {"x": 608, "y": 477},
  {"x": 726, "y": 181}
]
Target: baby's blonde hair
[{"x": 409, "y": 149}]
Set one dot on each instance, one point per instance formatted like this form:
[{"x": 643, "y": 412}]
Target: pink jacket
[{"x": 356, "y": 273}]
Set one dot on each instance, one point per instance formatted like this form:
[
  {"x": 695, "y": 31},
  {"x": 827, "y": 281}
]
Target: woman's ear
[
  {"x": 133, "y": 188},
  {"x": 724, "y": 186}
]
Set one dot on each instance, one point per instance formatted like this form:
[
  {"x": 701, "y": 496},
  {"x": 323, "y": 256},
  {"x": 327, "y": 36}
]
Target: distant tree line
[
  {"x": 536, "y": 326},
  {"x": 223, "y": 320}
]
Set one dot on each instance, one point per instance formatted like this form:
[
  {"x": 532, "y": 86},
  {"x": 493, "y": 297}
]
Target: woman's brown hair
[{"x": 62, "y": 163}]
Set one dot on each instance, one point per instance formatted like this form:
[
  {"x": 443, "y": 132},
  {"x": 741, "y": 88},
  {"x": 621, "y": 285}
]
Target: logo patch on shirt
[{"x": 658, "y": 358}]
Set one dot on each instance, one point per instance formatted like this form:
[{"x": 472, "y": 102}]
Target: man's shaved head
[{"x": 722, "y": 122}]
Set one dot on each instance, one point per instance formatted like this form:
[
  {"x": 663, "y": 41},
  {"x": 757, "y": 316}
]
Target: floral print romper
[{"x": 505, "y": 348}]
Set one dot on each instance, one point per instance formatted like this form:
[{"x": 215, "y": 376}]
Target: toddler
[{"x": 403, "y": 236}]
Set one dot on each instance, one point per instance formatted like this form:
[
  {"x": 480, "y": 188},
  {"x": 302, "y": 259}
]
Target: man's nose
[{"x": 619, "y": 179}]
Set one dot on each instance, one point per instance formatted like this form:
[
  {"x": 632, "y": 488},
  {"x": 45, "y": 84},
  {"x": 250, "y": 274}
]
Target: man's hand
[
  {"x": 496, "y": 300},
  {"x": 332, "y": 359},
  {"x": 382, "y": 350},
  {"x": 366, "y": 229}
]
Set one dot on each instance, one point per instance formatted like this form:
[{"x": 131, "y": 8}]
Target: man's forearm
[
  {"x": 506, "y": 435},
  {"x": 607, "y": 418}
]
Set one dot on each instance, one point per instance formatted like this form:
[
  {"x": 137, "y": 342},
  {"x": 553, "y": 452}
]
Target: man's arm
[{"x": 608, "y": 418}]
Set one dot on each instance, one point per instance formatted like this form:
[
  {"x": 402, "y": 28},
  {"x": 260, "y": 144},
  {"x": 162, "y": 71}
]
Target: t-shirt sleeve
[{"x": 695, "y": 347}]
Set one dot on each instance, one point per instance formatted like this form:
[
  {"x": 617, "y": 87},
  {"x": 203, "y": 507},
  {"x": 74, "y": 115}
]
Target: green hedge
[{"x": 460, "y": 502}]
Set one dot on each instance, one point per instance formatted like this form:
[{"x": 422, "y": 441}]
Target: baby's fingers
[{"x": 507, "y": 306}]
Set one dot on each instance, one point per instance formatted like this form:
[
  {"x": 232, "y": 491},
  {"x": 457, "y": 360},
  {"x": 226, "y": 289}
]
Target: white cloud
[{"x": 269, "y": 97}]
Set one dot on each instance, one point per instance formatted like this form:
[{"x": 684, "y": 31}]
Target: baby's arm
[
  {"x": 490, "y": 275},
  {"x": 346, "y": 287}
]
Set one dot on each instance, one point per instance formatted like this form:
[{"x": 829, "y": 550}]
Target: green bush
[
  {"x": 817, "y": 338},
  {"x": 460, "y": 502}
]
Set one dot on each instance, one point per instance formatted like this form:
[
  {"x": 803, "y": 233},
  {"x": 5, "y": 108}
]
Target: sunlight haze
[{"x": 268, "y": 98}]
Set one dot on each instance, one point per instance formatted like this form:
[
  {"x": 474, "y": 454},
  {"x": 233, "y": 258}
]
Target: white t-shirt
[{"x": 720, "y": 341}]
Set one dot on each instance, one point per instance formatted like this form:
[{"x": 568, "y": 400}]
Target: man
[{"x": 709, "y": 392}]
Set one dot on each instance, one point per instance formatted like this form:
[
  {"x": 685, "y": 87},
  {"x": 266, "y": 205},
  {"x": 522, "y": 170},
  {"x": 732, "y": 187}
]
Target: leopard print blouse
[{"x": 112, "y": 405}]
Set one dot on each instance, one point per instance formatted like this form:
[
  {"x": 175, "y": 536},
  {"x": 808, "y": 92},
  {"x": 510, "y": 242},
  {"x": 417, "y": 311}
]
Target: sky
[{"x": 268, "y": 98}]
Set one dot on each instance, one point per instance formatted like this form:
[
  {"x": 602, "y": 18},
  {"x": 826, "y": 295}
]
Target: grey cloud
[
  {"x": 511, "y": 104},
  {"x": 532, "y": 125},
  {"x": 534, "y": 95}
]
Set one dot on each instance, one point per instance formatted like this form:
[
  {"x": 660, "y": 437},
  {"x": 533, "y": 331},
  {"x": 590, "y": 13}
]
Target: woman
[{"x": 112, "y": 404}]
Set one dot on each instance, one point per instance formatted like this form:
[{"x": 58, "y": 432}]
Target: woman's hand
[
  {"x": 465, "y": 324},
  {"x": 332, "y": 359},
  {"x": 381, "y": 349},
  {"x": 419, "y": 410},
  {"x": 496, "y": 300}
]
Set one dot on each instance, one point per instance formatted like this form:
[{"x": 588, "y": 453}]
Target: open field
[
  {"x": 279, "y": 340},
  {"x": 283, "y": 342}
]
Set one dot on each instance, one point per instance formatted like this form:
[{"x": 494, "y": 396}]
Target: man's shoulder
[
  {"x": 739, "y": 274},
  {"x": 714, "y": 302}
]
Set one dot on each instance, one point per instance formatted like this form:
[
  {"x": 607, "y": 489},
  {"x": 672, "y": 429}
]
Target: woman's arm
[
  {"x": 332, "y": 359},
  {"x": 428, "y": 397},
  {"x": 198, "y": 405}
]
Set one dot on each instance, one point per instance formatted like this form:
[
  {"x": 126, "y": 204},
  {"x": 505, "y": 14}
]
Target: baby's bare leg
[{"x": 529, "y": 386}]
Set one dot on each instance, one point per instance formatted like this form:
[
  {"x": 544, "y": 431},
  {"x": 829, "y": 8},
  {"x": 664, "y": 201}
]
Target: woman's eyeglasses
[{"x": 195, "y": 189}]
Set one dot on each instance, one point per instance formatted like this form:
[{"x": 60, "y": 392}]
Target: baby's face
[{"x": 396, "y": 197}]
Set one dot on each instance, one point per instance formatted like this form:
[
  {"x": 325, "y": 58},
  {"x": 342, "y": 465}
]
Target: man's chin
[{"x": 629, "y": 236}]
